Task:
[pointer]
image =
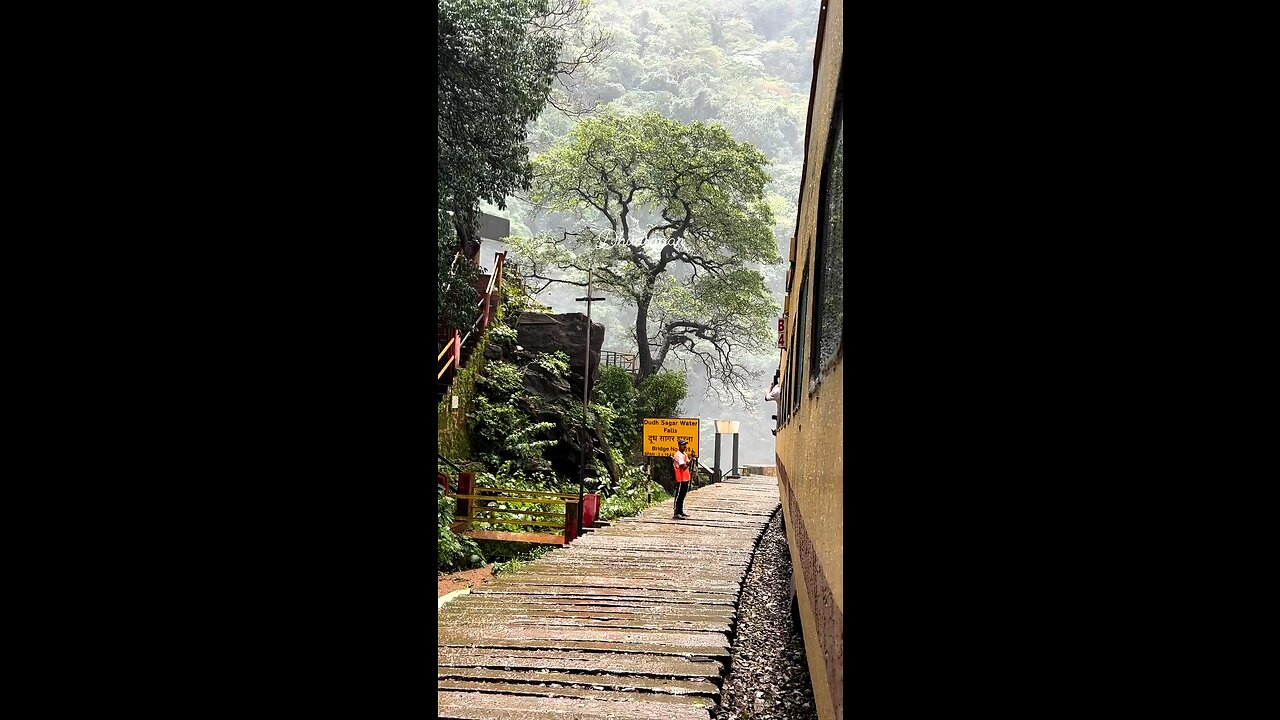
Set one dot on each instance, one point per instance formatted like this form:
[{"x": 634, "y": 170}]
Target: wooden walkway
[{"x": 631, "y": 621}]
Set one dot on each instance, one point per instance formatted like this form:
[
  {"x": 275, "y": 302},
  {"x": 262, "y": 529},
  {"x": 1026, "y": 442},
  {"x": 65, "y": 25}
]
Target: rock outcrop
[
  {"x": 567, "y": 332},
  {"x": 548, "y": 398}
]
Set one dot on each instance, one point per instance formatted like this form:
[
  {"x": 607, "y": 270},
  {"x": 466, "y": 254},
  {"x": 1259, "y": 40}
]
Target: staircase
[
  {"x": 457, "y": 347},
  {"x": 444, "y": 383}
]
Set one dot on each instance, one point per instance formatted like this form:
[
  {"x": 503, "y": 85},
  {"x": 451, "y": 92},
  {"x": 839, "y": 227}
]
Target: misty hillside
[{"x": 744, "y": 65}]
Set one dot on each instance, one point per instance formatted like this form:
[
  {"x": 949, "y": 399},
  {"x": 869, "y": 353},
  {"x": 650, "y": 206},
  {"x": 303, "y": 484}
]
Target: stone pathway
[{"x": 630, "y": 621}]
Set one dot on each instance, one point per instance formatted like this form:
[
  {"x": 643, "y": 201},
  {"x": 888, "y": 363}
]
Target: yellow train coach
[{"x": 810, "y": 433}]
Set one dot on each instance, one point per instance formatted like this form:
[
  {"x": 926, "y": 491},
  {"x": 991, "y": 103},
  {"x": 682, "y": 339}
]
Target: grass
[{"x": 520, "y": 559}]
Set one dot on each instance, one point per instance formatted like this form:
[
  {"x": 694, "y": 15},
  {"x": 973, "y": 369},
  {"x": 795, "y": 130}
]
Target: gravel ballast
[{"x": 769, "y": 677}]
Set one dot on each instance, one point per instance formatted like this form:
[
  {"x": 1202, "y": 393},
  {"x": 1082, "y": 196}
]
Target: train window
[
  {"x": 802, "y": 313},
  {"x": 785, "y": 415},
  {"x": 828, "y": 305}
]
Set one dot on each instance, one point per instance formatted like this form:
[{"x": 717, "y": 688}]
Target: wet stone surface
[{"x": 768, "y": 678}]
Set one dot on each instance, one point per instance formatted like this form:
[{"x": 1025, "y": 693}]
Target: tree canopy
[
  {"x": 498, "y": 60},
  {"x": 671, "y": 216},
  {"x": 495, "y": 74}
]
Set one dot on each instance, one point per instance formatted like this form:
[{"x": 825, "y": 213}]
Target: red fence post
[
  {"x": 466, "y": 486},
  {"x": 570, "y": 521}
]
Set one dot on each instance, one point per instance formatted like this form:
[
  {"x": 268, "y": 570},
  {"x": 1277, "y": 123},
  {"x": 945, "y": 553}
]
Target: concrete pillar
[
  {"x": 717, "y": 465},
  {"x": 734, "y": 471}
]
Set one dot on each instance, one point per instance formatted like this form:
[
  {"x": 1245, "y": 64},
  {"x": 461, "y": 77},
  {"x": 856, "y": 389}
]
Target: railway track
[{"x": 631, "y": 621}]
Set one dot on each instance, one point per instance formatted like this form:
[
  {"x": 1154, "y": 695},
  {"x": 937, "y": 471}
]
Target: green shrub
[
  {"x": 604, "y": 418},
  {"x": 556, "y": 363},
  {"x": 453, "y": 551},
  {"x": 508, "y": 434},
  {"x": 616, "y": 390},
  {"x": 452, "y": 436},
  {"x": 512, "y": 475},
  {"x": 502, "y": 379},
  {"x": 635, "y": 493},
  {"x": 518, "y": 562},
  {"x": 660, "y": 394},
  {"x": 456, "y": 297},
  {"x": 505, "y": 337}
]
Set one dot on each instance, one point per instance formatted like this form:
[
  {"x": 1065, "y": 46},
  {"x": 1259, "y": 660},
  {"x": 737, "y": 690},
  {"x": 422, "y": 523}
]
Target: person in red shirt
[{"x": 681, "y": 463}]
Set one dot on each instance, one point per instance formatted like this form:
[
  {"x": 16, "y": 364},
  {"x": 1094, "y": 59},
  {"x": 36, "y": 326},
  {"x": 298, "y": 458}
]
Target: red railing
[
  {"x": 456, "y": 343},
  {"x": 473, "y": 501}
]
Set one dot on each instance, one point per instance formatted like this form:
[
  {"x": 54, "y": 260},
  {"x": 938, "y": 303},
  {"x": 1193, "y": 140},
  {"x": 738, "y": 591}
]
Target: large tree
[
  {"x": 673, "y": 218},
  {"x": 495, "y": 73},
  {"x": 498, "y": 60}
]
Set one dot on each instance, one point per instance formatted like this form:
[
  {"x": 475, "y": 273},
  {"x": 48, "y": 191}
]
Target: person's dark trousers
[{"x": 682, "y": 489}]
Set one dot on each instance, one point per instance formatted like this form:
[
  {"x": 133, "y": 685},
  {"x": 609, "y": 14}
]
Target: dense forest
[{"x": 745, "y": 66}]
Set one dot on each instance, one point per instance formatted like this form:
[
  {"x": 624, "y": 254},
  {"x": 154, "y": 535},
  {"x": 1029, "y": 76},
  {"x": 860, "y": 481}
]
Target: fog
[{"x": 746, "y": 66}]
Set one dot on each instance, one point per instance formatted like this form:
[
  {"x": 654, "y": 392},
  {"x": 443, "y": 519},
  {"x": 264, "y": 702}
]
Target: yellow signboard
[{"x": 661, "y": 434}]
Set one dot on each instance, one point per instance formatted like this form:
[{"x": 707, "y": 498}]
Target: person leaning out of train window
[
  {"x": 680, "y": 461},
  {"x": 775, "y": 390}
]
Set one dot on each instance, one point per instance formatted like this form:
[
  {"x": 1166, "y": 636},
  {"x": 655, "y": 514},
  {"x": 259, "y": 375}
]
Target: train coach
[{"x": 810, "y": 430}]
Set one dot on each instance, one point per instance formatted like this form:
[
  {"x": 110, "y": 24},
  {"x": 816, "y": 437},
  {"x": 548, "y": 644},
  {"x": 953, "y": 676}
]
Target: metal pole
[{"x": 586, "y": 381}]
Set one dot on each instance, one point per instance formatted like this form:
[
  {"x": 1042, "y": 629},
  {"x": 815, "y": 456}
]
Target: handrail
[
  {"x": 505, "y": 521},
  {"x": 446, "y": 348},
  {"x": 527, "y": 492},
  {"x": 556, "y": 514},
  {"x": 448, "y": 462},
  {"x": 472, "y": 328},
  {"x": 443, "y": 369},
  {"x": 493, "y": 276},
  {"x": 499, "y": 260},
  {"x": 522, "y": 501},
  {"x": 476, "y": 505}
]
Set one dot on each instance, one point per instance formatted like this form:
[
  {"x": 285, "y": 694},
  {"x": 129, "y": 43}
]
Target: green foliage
[
  {"x": 660, "y": 395},
  {"x": 509, "y": 433},
  {"x": 515, "y": 298},
  {"x": 515, "y": 475},
  {"x": 673, "y": 218},
  {"x": 746, "y": 66},
  {"x": 518, "y": 563},
  {"x": 618, "y": 458},
  {"x": 599, "y": 417},
  {"x": 452, "y": 550},
  {"x": 695, "y": 172},
  {"x": 456, "y": 297},
  {"x": 494, "y": 73},
  {"x": 452, "y": 435},
  {"x": 635, "y": 492},
  {"x": 615, "y": 387},
  {"x": 501, "y": 379},
  {"x": 616, "y": 390},
  {"x": 504, "y": 336},
  {"x": 556, "y": 363},
  {"x": 604, "y": 418}
]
